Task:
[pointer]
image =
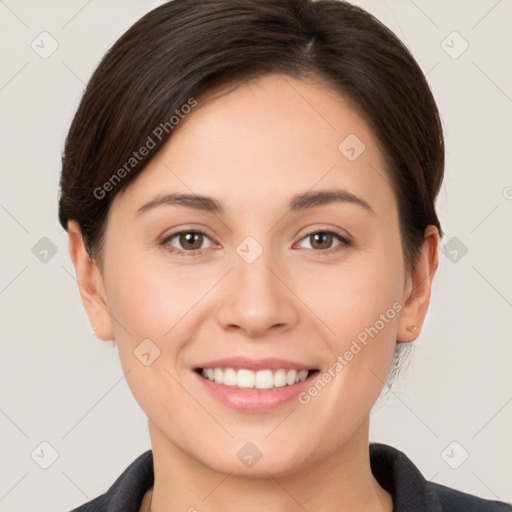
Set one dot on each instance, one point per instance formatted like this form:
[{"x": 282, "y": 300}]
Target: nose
[{"x": 258, "y": 297}]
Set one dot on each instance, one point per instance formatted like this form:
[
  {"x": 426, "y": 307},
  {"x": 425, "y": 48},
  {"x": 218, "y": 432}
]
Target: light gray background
[{"x": 61, "y": 385}]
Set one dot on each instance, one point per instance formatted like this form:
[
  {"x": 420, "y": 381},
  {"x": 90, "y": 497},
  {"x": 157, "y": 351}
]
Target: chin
[{"x": 253, "y": 460}]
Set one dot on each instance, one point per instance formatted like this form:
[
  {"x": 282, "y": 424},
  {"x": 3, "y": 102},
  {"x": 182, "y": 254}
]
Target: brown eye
[
  {"x": 322, "y": 241},
  {"x": 185, "y": 242},
  {"x": 191, "y": 240}
]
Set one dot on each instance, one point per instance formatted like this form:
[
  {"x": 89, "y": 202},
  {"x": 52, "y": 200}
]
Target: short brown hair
[{"x": 185, "y": 48}]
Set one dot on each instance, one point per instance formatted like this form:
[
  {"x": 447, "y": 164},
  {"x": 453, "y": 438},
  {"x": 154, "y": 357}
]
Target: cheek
[
  {"x": 359, "y": 358},
  {"x": 151, "y": 308},
  {"x": 355, "y": 295},
  {"x": 158, "y": 309},
  {"x": 149, "y": 297},
  {"x": 360, "y": 305}
]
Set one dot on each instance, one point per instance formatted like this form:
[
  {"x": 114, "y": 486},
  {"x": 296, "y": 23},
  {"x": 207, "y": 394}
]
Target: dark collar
[
  {"x": 396, "y": 473},
  {"x": 393, "y": 470}
]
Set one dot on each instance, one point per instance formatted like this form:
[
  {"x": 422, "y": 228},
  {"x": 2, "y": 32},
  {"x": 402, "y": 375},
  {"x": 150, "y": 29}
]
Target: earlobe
[
  {"x": 416, "y": 297},
  {"x": 90, "y": 284}
]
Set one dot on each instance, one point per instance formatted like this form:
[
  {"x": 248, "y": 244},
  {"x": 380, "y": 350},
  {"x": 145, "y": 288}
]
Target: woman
[{"x": 249, "y": 192}]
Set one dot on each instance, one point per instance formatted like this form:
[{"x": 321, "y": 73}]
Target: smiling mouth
[{"x": 261, "y": 379}]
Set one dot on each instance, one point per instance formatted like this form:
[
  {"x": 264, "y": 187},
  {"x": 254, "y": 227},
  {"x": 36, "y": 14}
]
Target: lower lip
[{"x": 255, "y": 400}]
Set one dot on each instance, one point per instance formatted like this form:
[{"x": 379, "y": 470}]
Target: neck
[{"x": 342, "y": 481}]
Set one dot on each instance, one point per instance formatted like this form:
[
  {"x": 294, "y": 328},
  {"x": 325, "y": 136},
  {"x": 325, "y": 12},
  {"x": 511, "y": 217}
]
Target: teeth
[
  {"x": 262, "y": 379},
  {"x": 302, "y": 375},
  {"x": 280, "y": 378},
  {"x": 244, "y": 379},
  {"x": 218, "y": 376},
  {"x": 230, "y": 378},
  {"x": 291, "y": 377}
]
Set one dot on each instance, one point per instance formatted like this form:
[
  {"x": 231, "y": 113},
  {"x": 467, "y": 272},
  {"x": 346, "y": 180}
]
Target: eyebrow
[{"x": 299, "y": 202}]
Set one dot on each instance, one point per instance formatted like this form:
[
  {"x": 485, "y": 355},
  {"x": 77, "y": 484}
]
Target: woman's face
[{"x": 279, "y": 278}]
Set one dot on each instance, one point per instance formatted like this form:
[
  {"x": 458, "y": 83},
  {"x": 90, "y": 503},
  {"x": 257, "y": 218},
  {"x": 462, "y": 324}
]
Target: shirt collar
[{"x": 394, "y": 471}]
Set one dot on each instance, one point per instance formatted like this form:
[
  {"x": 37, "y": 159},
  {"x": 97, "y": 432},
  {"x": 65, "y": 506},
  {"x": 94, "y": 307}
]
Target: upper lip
[{"x": 254, "y": 364}]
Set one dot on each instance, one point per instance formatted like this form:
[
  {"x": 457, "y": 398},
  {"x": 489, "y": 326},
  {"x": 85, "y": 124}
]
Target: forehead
[{"x": 267, "y": 137}]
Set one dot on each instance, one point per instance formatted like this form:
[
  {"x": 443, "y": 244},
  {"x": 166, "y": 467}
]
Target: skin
[{"x": 253, "y": 148}]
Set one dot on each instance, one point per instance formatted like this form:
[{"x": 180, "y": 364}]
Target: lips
[{"x": 254, "y": 385}]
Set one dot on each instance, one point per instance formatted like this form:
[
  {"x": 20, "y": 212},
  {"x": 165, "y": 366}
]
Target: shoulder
[
  {"x": 457, "y": 501},
  {"x": 127, "y": 492},
  {"x": 396, "y": 473}
]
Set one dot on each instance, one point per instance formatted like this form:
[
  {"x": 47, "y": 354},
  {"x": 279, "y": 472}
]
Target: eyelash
[{"x": 345, "y": 242}]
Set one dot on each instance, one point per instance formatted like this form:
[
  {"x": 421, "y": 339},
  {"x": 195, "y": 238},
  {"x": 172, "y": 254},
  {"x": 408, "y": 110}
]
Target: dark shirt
[{"x": 393, "y": 470}]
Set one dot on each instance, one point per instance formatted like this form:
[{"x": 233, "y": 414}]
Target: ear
[
  {"x": 90, "y": 284},
  {"x": 416, "y": 298}
]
